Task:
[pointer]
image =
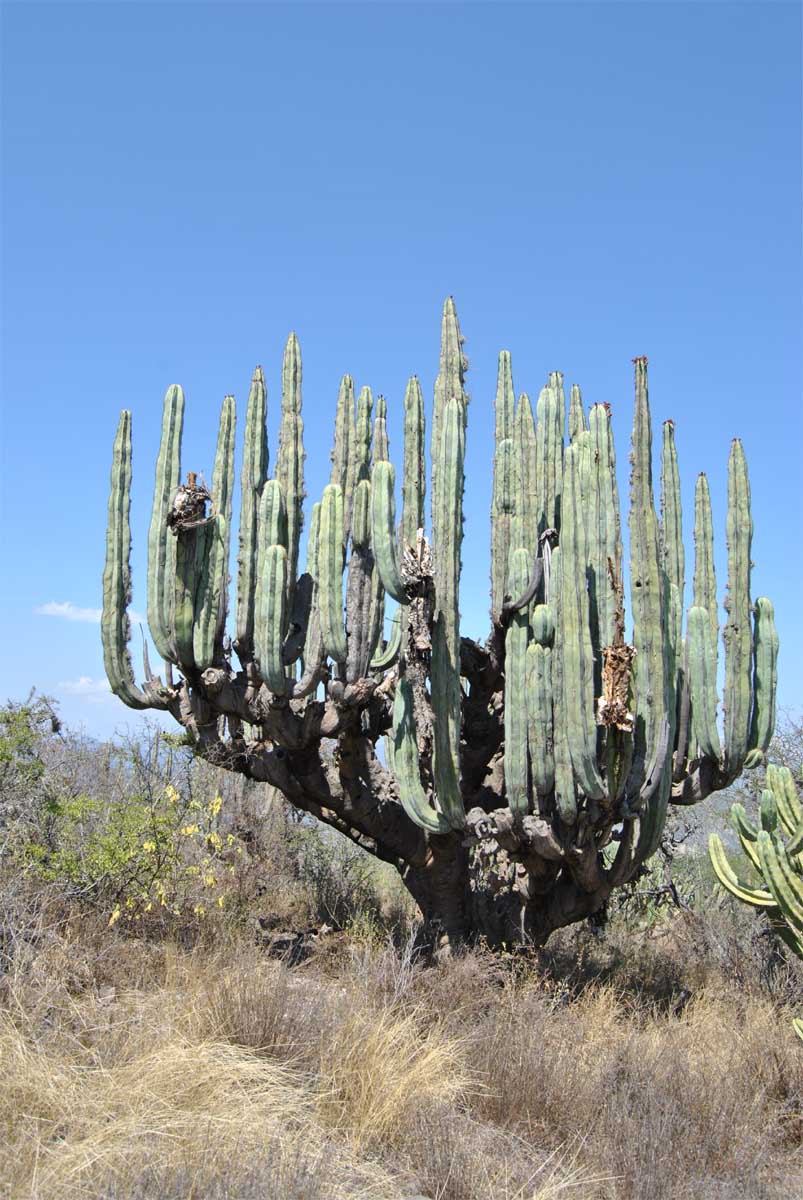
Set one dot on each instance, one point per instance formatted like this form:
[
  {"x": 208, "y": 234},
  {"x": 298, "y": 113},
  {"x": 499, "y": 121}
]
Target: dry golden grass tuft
[
  {"x": 123, "y": 1100},
  {"x": 143, "y": 1070}
]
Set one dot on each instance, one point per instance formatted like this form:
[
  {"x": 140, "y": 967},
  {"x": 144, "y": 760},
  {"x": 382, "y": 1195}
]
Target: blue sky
[{"x": 185, "y": 183}]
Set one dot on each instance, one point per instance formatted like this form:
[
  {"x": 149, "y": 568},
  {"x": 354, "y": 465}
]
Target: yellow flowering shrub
[{"x": 154, "y": 854}]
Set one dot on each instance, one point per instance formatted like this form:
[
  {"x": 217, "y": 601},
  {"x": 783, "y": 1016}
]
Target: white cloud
[
  {"x": 72, "y": 612},
  {"x": 93, "y": 690}
]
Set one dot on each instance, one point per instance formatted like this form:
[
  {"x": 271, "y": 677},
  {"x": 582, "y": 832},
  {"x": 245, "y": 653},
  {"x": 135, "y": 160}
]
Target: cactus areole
[{"x": 513, "y": 783}]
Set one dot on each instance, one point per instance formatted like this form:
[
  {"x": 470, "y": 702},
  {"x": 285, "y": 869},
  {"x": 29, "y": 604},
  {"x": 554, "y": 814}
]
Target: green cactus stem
[
  {"x": 671, "y": 529},
  {"x": 161, "y": 545},
  {"x": 210, "y": 617},
  {"x": 414, "y": 481},
  {"x": 701, "y": 664},
  {"x": 577, "y": 416},
  {"x": 525, "y": 523},
  {"x": 330, "y": 573},
  {"x": 313, "y": 654},
  {"x": 758, "y": 897},
  {"x": 290, "y": 456},
  {"x": 516, "y": 640},
  {"x": 502, "y": 507},
  {"x": 406, "y": 766},
  {"x": 445, "y": 670},
  {"x": 539, "y": 701},
  {"x": 551, "y": 414},
  {"x": 115, "y": 626},
  {"x": 737, "y": 632},
  {"x": 384, "y": 659},
  {"x": 565, "y": 792},
  {"x": 252, "y": 479},
  {"x": 604, "y": 536},
  {"x": 765, "y": 680},
  {"x": 646, "y": 585},
  {"x": 383, "y": 530},
  {"x": 575, "y": 629},
  {"x": 343, "y": 452},
  {"x": 271, "y": 617}
]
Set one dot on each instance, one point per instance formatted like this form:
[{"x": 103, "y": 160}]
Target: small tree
[{"x": 510, "y": 765}]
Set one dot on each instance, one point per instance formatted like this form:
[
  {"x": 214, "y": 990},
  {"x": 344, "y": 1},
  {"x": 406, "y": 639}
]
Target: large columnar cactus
[
  {"x": 774, "y": 849},
  {"x": 522, "y": 779}
]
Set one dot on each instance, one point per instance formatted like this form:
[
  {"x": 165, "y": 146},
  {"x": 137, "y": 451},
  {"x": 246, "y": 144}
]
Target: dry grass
[{"x": 142, "y": 1070}]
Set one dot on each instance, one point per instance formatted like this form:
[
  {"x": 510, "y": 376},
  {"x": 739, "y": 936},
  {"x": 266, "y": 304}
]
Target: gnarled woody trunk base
[{"x": 467, "y": 894}]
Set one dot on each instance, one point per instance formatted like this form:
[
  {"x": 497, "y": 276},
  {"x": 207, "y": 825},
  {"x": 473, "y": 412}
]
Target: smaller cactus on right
[{"x": 775, "y": 850}]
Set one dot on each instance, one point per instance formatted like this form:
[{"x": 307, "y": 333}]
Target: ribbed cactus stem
[
  {"x": 115, "y": 625},
  {"x": 577, "y": 416},
  {"x": 384, "y": 659},
  {"x": 702, "y": 670},
  {"x": 604, "y": 535},
  {"x": 790, "y": 810},
  {"x": 705, "y": 579},
  {"x": 381, "y": 447},
  {"x": 361, "y": 515},
  {"x": 525, "y": 522},
  {"x": 646, "y": 585},
  {"x": 290, "y": 456},
  {"x": 502, "y": 506},
  {"x": 758, "y": 897},
  {"x": 380, "y": 452},
  {"x": 414, "y": 481},
  {"x": 765, "y": 679},
  {"x": 551, "y": 414},
  {"x": 516, "y": 639},
  {"x": 192, "y": 546},
  {"x": 271, "y": 617},
  {"x": 737, "y": 632},
  {"x": 672, "y": 553},
  {"x": 361, "y": 623},
  {"x": 539, "y": 701},
  {"x": 272, "y": 519},
  {"x": 383, "y": 530},
  {"x": 575, "y": 629},
  {"x": 447, "y": 522},
  {"x": 781, "y": 879},
  {"x": 330, "y": 573},
  {"x": 344, "y": 451},
  {"x": 448, "y": 386},
  {"x": 565, "y": 793},
  {"x": 313, "y": 651},
  {"x": 406, "y": 768},
  {"x": 161, "y": 543},
  {"x": 254, "y": 474},
  {"x": 363, "y": 430},
  {"x": 211, "y": 608}
]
